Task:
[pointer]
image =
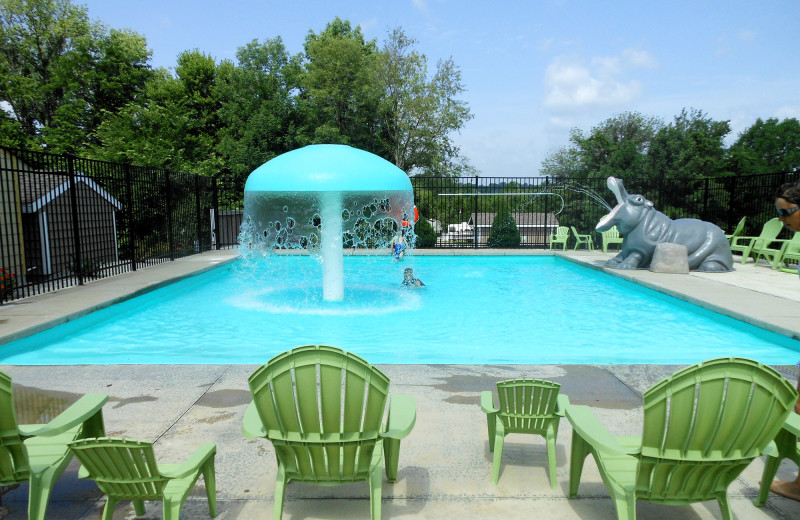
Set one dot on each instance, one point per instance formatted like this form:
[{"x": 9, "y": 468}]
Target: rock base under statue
[{"x": 670, "y": 258}]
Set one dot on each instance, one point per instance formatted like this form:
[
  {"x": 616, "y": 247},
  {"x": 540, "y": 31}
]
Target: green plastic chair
[
  {"x": 582, "y": 239},
  {"x": 774, "y": 255},
  {"x": 560, "y": 237},
  {"x": 126, "y": 469},
  {"x": 39, "y": 453},
  {"x": 322, "y": 408},
  {"x": 526, "y": 406},
  {"x": 611, "y": 237},
  {"x": 746, "y": 245},
  {"x": 702, "y": 427},
  {"x": 737, "y": 231},
  {"x": 786, "y": 447}
]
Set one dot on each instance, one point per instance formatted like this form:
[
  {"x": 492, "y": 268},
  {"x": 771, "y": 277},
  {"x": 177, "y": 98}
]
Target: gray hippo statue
[{"x": 643, "y": 228}]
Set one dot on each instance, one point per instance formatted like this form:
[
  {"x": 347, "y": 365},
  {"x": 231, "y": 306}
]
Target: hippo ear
[{"x": 648, "y": 203}]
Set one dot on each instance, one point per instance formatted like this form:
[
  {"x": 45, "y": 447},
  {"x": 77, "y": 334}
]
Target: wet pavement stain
[
  {"x": 132, "y": 400},
  {"x": 225, "y": 398},
  {"x": 221, "y": 416},
  {"x": 471, "y": 400}
]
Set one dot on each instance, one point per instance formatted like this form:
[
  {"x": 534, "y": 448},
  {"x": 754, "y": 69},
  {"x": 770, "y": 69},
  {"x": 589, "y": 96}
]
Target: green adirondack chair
[
  {"x": 39, "y": 453},
  {"x": 560, "y": 237},
  {"x": 786, "y": 447},
  {"x": 526, "y": 406},
  {"x": 126, "y": 469},
  {"x": 326, "y": 431},
  {"x": 611, "y": 237},
  {"x": 582, "y": 239},
  {"x": 745, "y": 245},
  {"x": 702, "y": 427},
  {"x": 775, "y": 255},
  {"x": 738, "y": 230}
]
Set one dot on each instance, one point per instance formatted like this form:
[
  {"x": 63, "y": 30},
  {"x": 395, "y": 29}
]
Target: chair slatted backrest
[
  {"x": 14, "y": 466},
  {"x": 706, "y": 423},
  {"x": 124, "y": 469},
  {"x": 739, "y": 228},
  {"x": 612, "y": 233},
  {"x": 527, "y": 405},
  {"x": 323, "y": 410},
  {"x": 769, "y": 233},
  {"x": 562, "y": 231}
]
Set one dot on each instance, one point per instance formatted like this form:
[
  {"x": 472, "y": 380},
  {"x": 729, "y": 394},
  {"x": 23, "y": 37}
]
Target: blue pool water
[{"x": 473, "y": 310}]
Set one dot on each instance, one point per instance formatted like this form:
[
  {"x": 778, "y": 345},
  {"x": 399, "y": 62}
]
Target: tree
[
  {"x": 766, "y": 147},
  {"x": 616, "y": 147},
  {"x": 258, "y": 114},
  {"x": 504, "y": 232},
  {"x": 61, "y": 71},
  {"x": 419, "y": 114},
  {"x": 340, "y": 90}
]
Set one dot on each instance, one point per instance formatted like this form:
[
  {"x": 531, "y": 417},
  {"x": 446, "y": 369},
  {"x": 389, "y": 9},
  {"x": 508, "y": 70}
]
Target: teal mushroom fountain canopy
[{"x": 322, "y": 198}]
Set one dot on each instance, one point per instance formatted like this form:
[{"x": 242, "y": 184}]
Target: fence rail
[{"x": 65, "y": 220}]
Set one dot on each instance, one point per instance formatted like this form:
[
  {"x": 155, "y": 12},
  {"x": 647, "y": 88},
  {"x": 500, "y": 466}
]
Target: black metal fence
[{"x": 65, "y": 220}]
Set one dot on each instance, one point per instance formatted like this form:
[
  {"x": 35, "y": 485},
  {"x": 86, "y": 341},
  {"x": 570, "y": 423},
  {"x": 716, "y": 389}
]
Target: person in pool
[
  {"x": 787, "y": 204},
  {"x": 409, "y": 280},
  {"x": 398, "y": 246}
]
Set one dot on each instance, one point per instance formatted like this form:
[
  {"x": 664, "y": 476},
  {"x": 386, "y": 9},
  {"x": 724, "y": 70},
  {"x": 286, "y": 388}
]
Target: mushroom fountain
[{"x": 323, "y": 198}]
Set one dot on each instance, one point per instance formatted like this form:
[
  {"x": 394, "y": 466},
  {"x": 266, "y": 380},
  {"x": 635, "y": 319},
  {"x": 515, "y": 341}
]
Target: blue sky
[{"x": 533, "y": 69}]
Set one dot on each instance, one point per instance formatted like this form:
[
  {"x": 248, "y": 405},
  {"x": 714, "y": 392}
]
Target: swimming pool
[{"x": 474, "y": 309}]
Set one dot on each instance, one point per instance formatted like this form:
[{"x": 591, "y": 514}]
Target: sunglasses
[{"x": 786, "y": 212}]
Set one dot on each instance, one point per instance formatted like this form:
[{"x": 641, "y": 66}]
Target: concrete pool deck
[{"x": 445, "y": 465}]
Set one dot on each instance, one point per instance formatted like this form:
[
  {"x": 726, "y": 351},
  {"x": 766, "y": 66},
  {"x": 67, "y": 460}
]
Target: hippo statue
[{"x": 643, "y": 228}]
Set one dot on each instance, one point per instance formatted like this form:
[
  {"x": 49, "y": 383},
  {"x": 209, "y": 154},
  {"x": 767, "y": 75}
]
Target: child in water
[
  {"x": 398, "y": 246},
  {"x": 409, "y": 280}
]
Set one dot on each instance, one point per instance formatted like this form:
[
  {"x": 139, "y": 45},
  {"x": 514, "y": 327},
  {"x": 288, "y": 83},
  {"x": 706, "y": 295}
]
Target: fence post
[
  {"x": 76, "y": 232},
  {"x": 169, "y": 216},
  {"x": 216, "y": 212},
  {"x": 129, "y": 204},
  {"x": 475, "y": 212},
  {"x": 197, "y": 211},
  {"x": 546, "y": 210}
]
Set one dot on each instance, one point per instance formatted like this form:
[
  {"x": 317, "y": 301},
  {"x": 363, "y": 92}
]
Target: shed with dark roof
[{"x": 48, "y": 222}]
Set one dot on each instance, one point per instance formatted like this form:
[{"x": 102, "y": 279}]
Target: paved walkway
[{"x": 445, "y": 465}]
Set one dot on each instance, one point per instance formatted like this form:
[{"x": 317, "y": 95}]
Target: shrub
[
  {"x": 504, "y": 232},
  {"x": 8, "y": 281},
  {"x": 426, "y": 236}
]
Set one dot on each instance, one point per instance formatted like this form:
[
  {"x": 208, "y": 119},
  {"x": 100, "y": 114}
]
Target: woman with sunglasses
[{"x": 787, "y": 204}]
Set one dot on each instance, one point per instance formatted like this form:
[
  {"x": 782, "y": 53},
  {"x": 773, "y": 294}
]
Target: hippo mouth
[{"x": 616, "y": 187}]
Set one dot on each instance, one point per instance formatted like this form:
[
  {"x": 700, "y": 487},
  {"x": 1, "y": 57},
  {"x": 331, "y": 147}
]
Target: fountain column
[{"x": 331, "y": 246}]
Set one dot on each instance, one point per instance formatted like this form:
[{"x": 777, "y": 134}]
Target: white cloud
[
  {"x": 747, "y": 35},
  {"x": 639, "y": 58},
  {"x": 571, "y": 85},
  {"x": 420, "y": 5}
]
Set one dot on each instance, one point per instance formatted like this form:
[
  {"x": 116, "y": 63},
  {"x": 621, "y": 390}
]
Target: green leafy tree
[
  {"x": 340, "y": 90},
  {"x": 258, "y": 113},
  {"x": 418, "y": 113},
  {"x": 766, "y": 147},
  {"x": 61, "y": 71},
  {"x": 504, "y": 232},
  {"x": 426, "y": 236}
]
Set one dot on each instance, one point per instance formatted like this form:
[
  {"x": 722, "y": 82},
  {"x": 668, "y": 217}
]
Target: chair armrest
[
  {"x": 737, "y": 239},
  {"x": 487, "y": 402},
  {"x": 402, "y": 416},
  {"x": 83, "y": 409},
  {"x": 562, "y": 403},
  {"x": 192, "y": 464},
  {"x": 252, "y": 426},
  {"x": 591, "y": 430},
  {"x": 792, "y": 424}
]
